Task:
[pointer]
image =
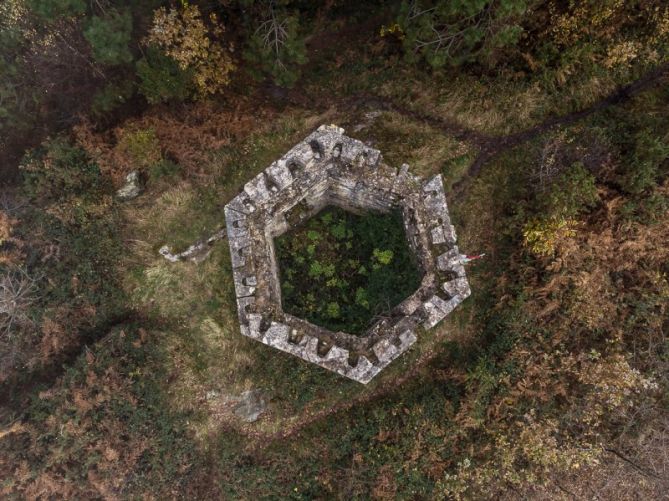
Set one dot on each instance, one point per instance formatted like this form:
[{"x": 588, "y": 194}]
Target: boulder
[
  {"x": 132, "y": 187},
  {"x": 250, "y": 405}
]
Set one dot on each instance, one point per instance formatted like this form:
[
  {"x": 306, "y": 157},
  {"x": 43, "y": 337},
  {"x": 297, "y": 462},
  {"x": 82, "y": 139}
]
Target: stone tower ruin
[{"x": 328, "y": 168}]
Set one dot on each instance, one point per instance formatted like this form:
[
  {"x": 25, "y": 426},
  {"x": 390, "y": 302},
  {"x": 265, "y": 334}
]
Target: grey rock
[
  {"x": 250, "y": 405},
  {"x": 212, "y": 394},
  {"x": 197, "y": 252},
  {"x": 132, "y": 187}
]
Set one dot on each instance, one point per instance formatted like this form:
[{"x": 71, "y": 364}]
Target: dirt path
[
  {"x": 497, "y": 145},
  {"x": 489, "y": 145}
]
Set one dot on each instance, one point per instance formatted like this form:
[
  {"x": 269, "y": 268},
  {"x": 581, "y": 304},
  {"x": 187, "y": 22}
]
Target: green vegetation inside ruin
[{"x": 342, "y": 270}]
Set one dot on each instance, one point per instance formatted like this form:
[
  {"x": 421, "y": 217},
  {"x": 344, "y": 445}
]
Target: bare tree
[
  {"x": 273, "y": 32},
  {"x": 550, "y": 164},
  {"x": 17, "y": 292}
]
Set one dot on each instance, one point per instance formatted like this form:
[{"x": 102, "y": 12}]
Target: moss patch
[{"x": 340, "y": 270}]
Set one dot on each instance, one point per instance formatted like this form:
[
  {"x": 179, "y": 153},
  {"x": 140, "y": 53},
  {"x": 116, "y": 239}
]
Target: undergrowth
[{"x": 341, "y": 270}]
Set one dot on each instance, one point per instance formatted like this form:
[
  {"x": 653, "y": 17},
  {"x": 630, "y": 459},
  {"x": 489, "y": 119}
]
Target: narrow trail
[
  {"x": 489, "y": 147},
  {"x": 497, "y": 145}
]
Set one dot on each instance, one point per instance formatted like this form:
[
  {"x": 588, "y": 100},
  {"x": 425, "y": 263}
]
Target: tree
[
  {"x": 162, "y": 79},
  {"x": 110, "y": 37},
  {"x": 452, "y": 32},
  {"x": 195, "y": 46},
  {"x": 276, "y": 47}
]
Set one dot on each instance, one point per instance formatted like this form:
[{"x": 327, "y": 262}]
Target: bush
[
  {"x": 358, "y": 267},
  {"x": 541, "y": 236},
  {"x": 57, "y": 170},
  {"x": 161, "y": 79},
  {"x": 644, "y": 165},
  {"x": 571, "y": 193},
  {"x": 110, "y": 38},
  {"x": 141, "y": 146}
]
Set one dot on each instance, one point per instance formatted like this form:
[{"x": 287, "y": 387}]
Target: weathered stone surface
[
  {"x": 329, "y": 168},
  {"x": 132, "y": 187},
  {"x": 197, "y": 252},
  {"x": 250, "y": 405},
  {"x": 459, "y": 287}
]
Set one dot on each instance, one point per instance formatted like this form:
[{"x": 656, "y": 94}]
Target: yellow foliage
[
  {"x": 6, "y": 226},
  {"x": 183, "y": 36},
  {"x": 541, "y": 236},
  {"x": 528, "y": 453},
  {"x": 624, "y": 35},
  {"x": 142, "y": 146},
  {"x": 614, "y": 384},
  {"x": 622, "y": 53},
  {"x": 394, "y": 29}
]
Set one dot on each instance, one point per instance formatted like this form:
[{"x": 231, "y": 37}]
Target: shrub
[
  {"x": 164, "y": 169},
  {"x": 541, "y": 236},
  {"x": 162, "y": 79},
  {"x": 570, "y": 194},
  {"x": 358, "y": 267},
  {"x": 110, "y": 37},
  {"x": 58, "y": 169},
  {"x": 141, "y": 146},
  {"x": 644, "y": 165}
]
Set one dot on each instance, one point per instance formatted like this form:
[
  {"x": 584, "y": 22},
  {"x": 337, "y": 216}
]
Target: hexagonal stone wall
[{"x": 329, "y": 168}]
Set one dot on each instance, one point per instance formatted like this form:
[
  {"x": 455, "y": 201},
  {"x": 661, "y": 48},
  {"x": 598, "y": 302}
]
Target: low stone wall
[{"x": 329, "y": 168}]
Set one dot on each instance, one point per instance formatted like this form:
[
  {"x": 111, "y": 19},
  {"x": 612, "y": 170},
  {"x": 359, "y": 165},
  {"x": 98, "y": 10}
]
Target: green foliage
[
  {"x": 57, "y": 170},
  {"x": 110, "y": 37},
  {"x": 72, "y": 226},
  {"x": 357, "y": 267},
  {"x": 121, "y": 418},
  {"x": 571, "y": 193},
  {"x": 142, "y": 146},
  {"x": 161, "y": 79},
  {"x": 111, "y": 96},
  {"x": 383, "y": 257},
  {"x": 333, "y": 310},
  {"x": 276, "y": 48},
  {"x": 164, "y": 169},
  {"x": 50, "y": 10},
  {"x": 645, "y": 163},
  {"x": 453, "y": 32}
]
